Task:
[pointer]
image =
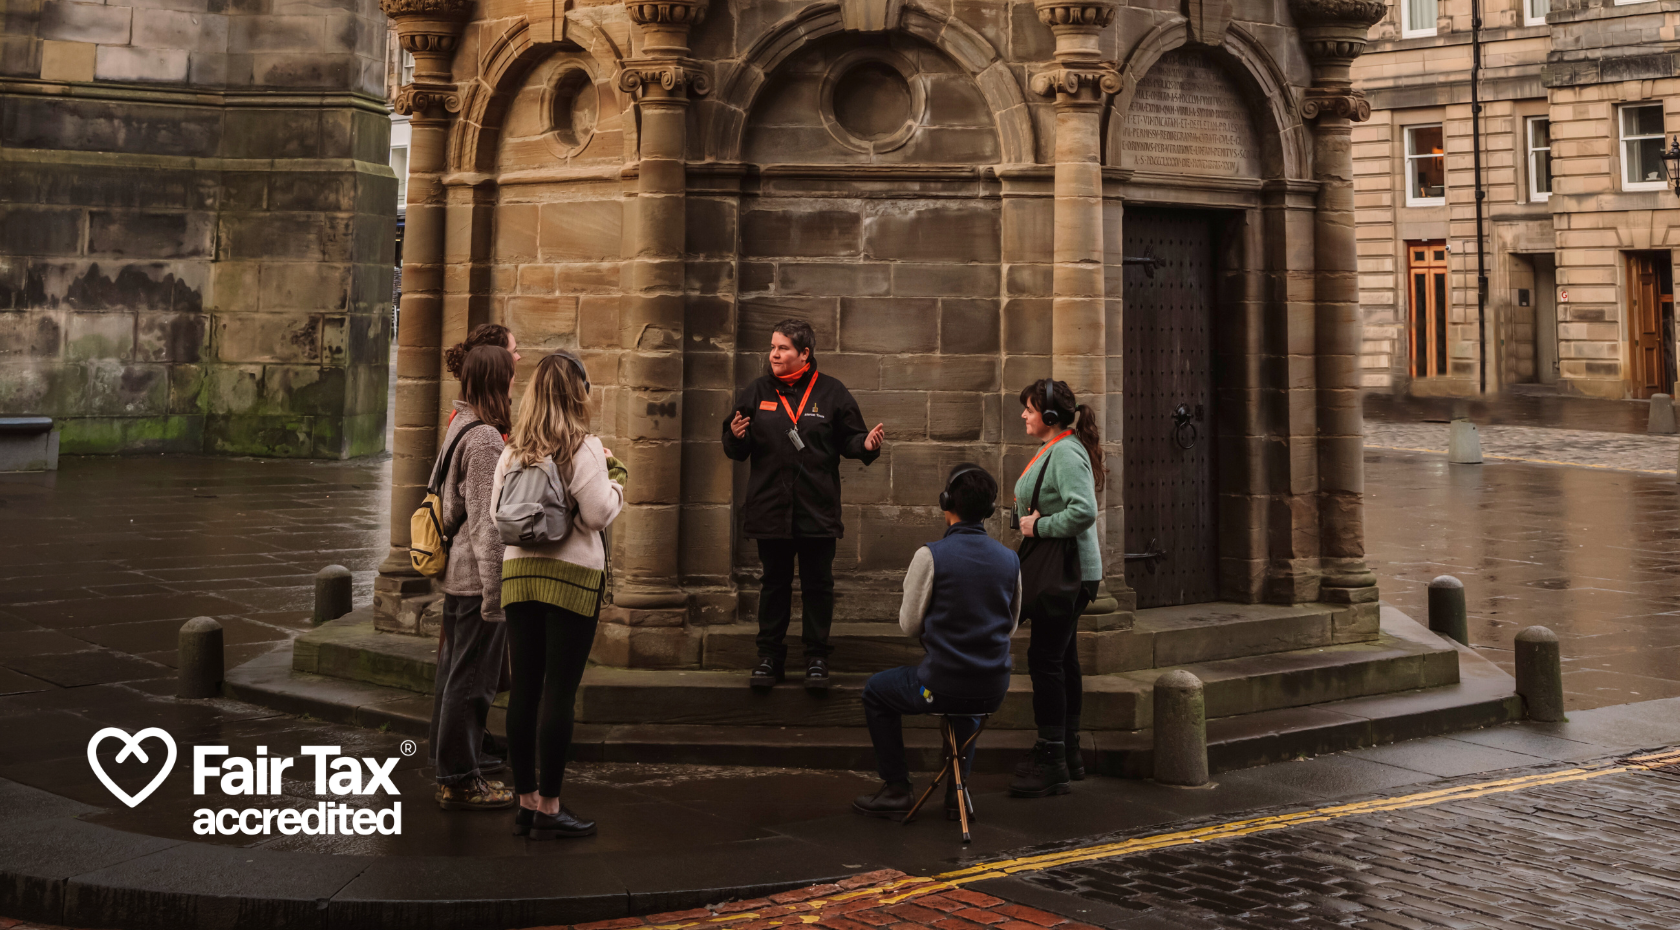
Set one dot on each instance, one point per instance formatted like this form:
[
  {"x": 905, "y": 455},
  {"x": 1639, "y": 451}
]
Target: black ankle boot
[
  {"x": 1046, "y": 772},
  {"x": 1075, "y": 758},
  {"x": 893, "y": 801},
  {"x": 951, "y": 813}
]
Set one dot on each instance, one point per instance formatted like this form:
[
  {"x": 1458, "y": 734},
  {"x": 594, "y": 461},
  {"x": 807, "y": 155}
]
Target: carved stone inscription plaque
[{"x": 1188, "y": 118}]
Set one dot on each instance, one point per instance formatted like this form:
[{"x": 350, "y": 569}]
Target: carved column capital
[
  {"x": 1087, "y": 83},
  {"x": 427, "y": 102},
  {"x": 1334, "y": 33},
  {"x": 674, "y": 80},
  {"x": 1075, "y": 14},
  {"x": 430, "y": 30},
  {"x": 665, "y": 25},
  {"x": 1351, "y": 105}
]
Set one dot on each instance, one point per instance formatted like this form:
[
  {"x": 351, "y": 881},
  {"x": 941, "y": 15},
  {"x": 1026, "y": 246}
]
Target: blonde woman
[{"x": 552, "y": 593}]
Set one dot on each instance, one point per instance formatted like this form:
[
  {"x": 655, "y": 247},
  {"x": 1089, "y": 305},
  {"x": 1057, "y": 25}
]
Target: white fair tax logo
[
  {"x": 131, "y": 747},
  {"x": 237, "y": 775}
]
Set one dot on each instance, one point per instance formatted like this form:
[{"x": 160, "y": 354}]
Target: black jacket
[{"x": 790, "y": 491}]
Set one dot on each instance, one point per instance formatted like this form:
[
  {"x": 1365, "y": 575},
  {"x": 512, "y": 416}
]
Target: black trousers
[
  {"x": 549, "y": 648},
  {"x": 469, "y": 668},
  {"x": 816, "y": 594},
  {"x": 1053, "y": 665}
]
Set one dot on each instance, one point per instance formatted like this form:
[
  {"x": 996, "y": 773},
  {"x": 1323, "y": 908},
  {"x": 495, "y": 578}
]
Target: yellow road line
[{"x": 911, "y": 887}]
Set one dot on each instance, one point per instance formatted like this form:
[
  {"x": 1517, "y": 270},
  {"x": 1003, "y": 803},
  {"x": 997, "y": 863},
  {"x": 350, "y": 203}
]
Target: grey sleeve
[
  {"x": 478, "y": 473},
  {"x": 918, "y": 592}
]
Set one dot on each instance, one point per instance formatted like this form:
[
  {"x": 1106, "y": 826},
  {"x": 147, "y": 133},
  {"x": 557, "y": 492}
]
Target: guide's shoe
[
  {"x": 1045, "y": 772},
  {"x": 474, "y": 794},
  {"x": 816, "y": 674},
  {"x": 769, "y": 672},
  {"x": 562, "y": 825},
  {"x": 893, "y": 801},
  {"x": 522, "y": 821}
]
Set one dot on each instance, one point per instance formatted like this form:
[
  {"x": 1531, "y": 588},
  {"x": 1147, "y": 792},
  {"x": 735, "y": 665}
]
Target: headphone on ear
[
  {"x": 1047, "y": 409},
  {"x": 582, "y": 371},
  {"x": 946, "y": 502}
]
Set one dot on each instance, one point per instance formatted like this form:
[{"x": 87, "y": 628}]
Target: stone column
[
  {"x": 1082, "y": 83},
  {"x": 646, "y": 590},
  {"x": 1334, "y": 34},
  {"x": 428, "y": 29}
]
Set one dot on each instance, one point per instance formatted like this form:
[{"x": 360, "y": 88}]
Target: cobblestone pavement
[
  {"x": 1593, "y": 554},
  {"x": 1657, "y": 455}
]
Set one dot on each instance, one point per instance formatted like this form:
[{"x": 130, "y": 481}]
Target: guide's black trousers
[{"x": 816, "y": 593}]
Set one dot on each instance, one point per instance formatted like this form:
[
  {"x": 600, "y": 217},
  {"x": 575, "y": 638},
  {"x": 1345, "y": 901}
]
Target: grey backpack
[{"x": 534, "y": 508}]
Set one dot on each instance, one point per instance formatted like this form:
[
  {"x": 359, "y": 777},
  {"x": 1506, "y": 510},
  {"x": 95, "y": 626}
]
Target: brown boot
[{"x": 474, "y": 794}]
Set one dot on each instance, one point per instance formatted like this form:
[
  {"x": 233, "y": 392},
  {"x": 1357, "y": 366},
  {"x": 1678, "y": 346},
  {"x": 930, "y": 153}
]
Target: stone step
[
  {"x": 1163, "y": 636},
  {"x": 1483, "y": 697},
  {"x": 1400, "y": 659}
]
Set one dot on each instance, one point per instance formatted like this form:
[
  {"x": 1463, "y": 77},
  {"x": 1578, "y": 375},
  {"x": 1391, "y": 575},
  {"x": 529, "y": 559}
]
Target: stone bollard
[
  {"x": 1447, "y": 613},
  {"x": 332, "y": 593},
  {"x": 1180, "y": 730},
  {"x": 199, "y": 658},
  {"x": 1661, "y": 418},
  {"x": 1464, "y": 444},
  {"x": 1540, "y": 674}
]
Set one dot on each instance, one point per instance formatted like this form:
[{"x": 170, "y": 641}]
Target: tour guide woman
[
  {"x": 1072, "y": 473},
  {"x": 795, "y": 424}
]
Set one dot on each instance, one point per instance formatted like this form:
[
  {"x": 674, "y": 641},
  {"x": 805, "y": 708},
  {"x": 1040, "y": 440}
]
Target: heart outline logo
[{"x": 131, "y": 747}]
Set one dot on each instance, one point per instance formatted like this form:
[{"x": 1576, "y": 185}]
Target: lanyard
[
  {"x": 1045, "y": 449},
  {"x": 795, "y": 416}
]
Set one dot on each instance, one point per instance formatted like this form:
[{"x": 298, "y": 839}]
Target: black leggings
[
  {"x": 549, "y": 647},
  {"x": 1053, "y": 664}
]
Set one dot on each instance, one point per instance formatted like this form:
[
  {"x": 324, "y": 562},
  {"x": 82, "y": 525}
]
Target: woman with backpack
[
  {"x": 472, "y": 648},
  {"x": 1056, "y": 507},
  {"x": 558, "y": 487}
]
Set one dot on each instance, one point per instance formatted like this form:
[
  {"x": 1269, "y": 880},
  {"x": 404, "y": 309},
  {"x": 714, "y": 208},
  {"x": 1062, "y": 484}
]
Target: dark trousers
[
  {"x": 1053, "y": 664},
  {"x": 816, "y": 594},
  {"x": 890, "y": 695},
  {"x": 549, "y": 647},
  {"x": 469, "y": 668}
]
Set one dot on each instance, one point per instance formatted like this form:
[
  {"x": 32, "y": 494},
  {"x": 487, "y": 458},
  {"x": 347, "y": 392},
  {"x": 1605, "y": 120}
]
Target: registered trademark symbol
[{"x": 407, "y": 748}]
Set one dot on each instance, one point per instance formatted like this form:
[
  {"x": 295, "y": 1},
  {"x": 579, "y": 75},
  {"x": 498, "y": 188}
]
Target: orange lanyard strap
[
  {"x": 1043, "y": 450},
  {"x": 795, "y": 416}
]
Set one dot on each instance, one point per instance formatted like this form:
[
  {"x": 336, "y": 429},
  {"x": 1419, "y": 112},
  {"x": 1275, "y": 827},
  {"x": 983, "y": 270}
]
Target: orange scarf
[{"x": 794, "y": 377}]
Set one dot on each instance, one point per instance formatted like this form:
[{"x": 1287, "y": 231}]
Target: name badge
[{"x": 767, "y": 405}]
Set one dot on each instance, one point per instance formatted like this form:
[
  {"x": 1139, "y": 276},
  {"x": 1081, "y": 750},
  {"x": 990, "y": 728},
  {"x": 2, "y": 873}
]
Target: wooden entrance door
[
  {"x": 1426, "y": 276},
  {"x": 1650, "y": 323},
  {"x": 1170, "y": 488}
]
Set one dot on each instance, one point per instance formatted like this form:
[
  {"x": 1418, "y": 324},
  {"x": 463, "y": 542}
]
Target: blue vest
[{"x": 969, "y": 617}]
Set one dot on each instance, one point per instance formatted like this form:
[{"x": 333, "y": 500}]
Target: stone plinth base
[{"x": 407, "y": 604}]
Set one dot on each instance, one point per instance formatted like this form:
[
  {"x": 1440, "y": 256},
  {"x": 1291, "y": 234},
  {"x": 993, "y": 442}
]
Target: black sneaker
[
  {"x": 816, "y": 673},
  {"x": 768, "y": 673},
  {"x": 1045, "y": 772},
  {"x": 564, "y": 824},
  {"x": 893, "y": 801}
]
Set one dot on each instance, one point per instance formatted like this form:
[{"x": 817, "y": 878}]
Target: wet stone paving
[{"x": 1593, "y": 853}]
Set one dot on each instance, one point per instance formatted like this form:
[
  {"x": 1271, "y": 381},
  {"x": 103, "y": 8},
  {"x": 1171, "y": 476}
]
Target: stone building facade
[
  {"x": 196, "y": 223},
  {"x": 1153, "y": 203},
  {"x": 1578, "y": 98}
]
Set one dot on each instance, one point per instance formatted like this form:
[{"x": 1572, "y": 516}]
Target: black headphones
[
  {"x": 582, "y": 371},
  {"x": 1047, "y": 409},
  {"x": 945, "y": 500}
]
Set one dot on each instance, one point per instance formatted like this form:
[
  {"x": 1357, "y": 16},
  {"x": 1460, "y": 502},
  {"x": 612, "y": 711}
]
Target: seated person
[{"x": 962, "y": 599}]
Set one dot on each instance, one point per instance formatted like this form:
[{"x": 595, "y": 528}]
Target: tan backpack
[{"x": 428, "y": 541}]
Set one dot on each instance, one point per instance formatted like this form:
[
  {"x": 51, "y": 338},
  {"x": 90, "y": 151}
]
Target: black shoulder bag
[{"x": 1050, "y": 572}]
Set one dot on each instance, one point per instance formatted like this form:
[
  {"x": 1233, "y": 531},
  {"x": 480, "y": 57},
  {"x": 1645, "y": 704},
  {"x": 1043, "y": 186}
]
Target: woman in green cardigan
[{"x": 1073, "y": 475}]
